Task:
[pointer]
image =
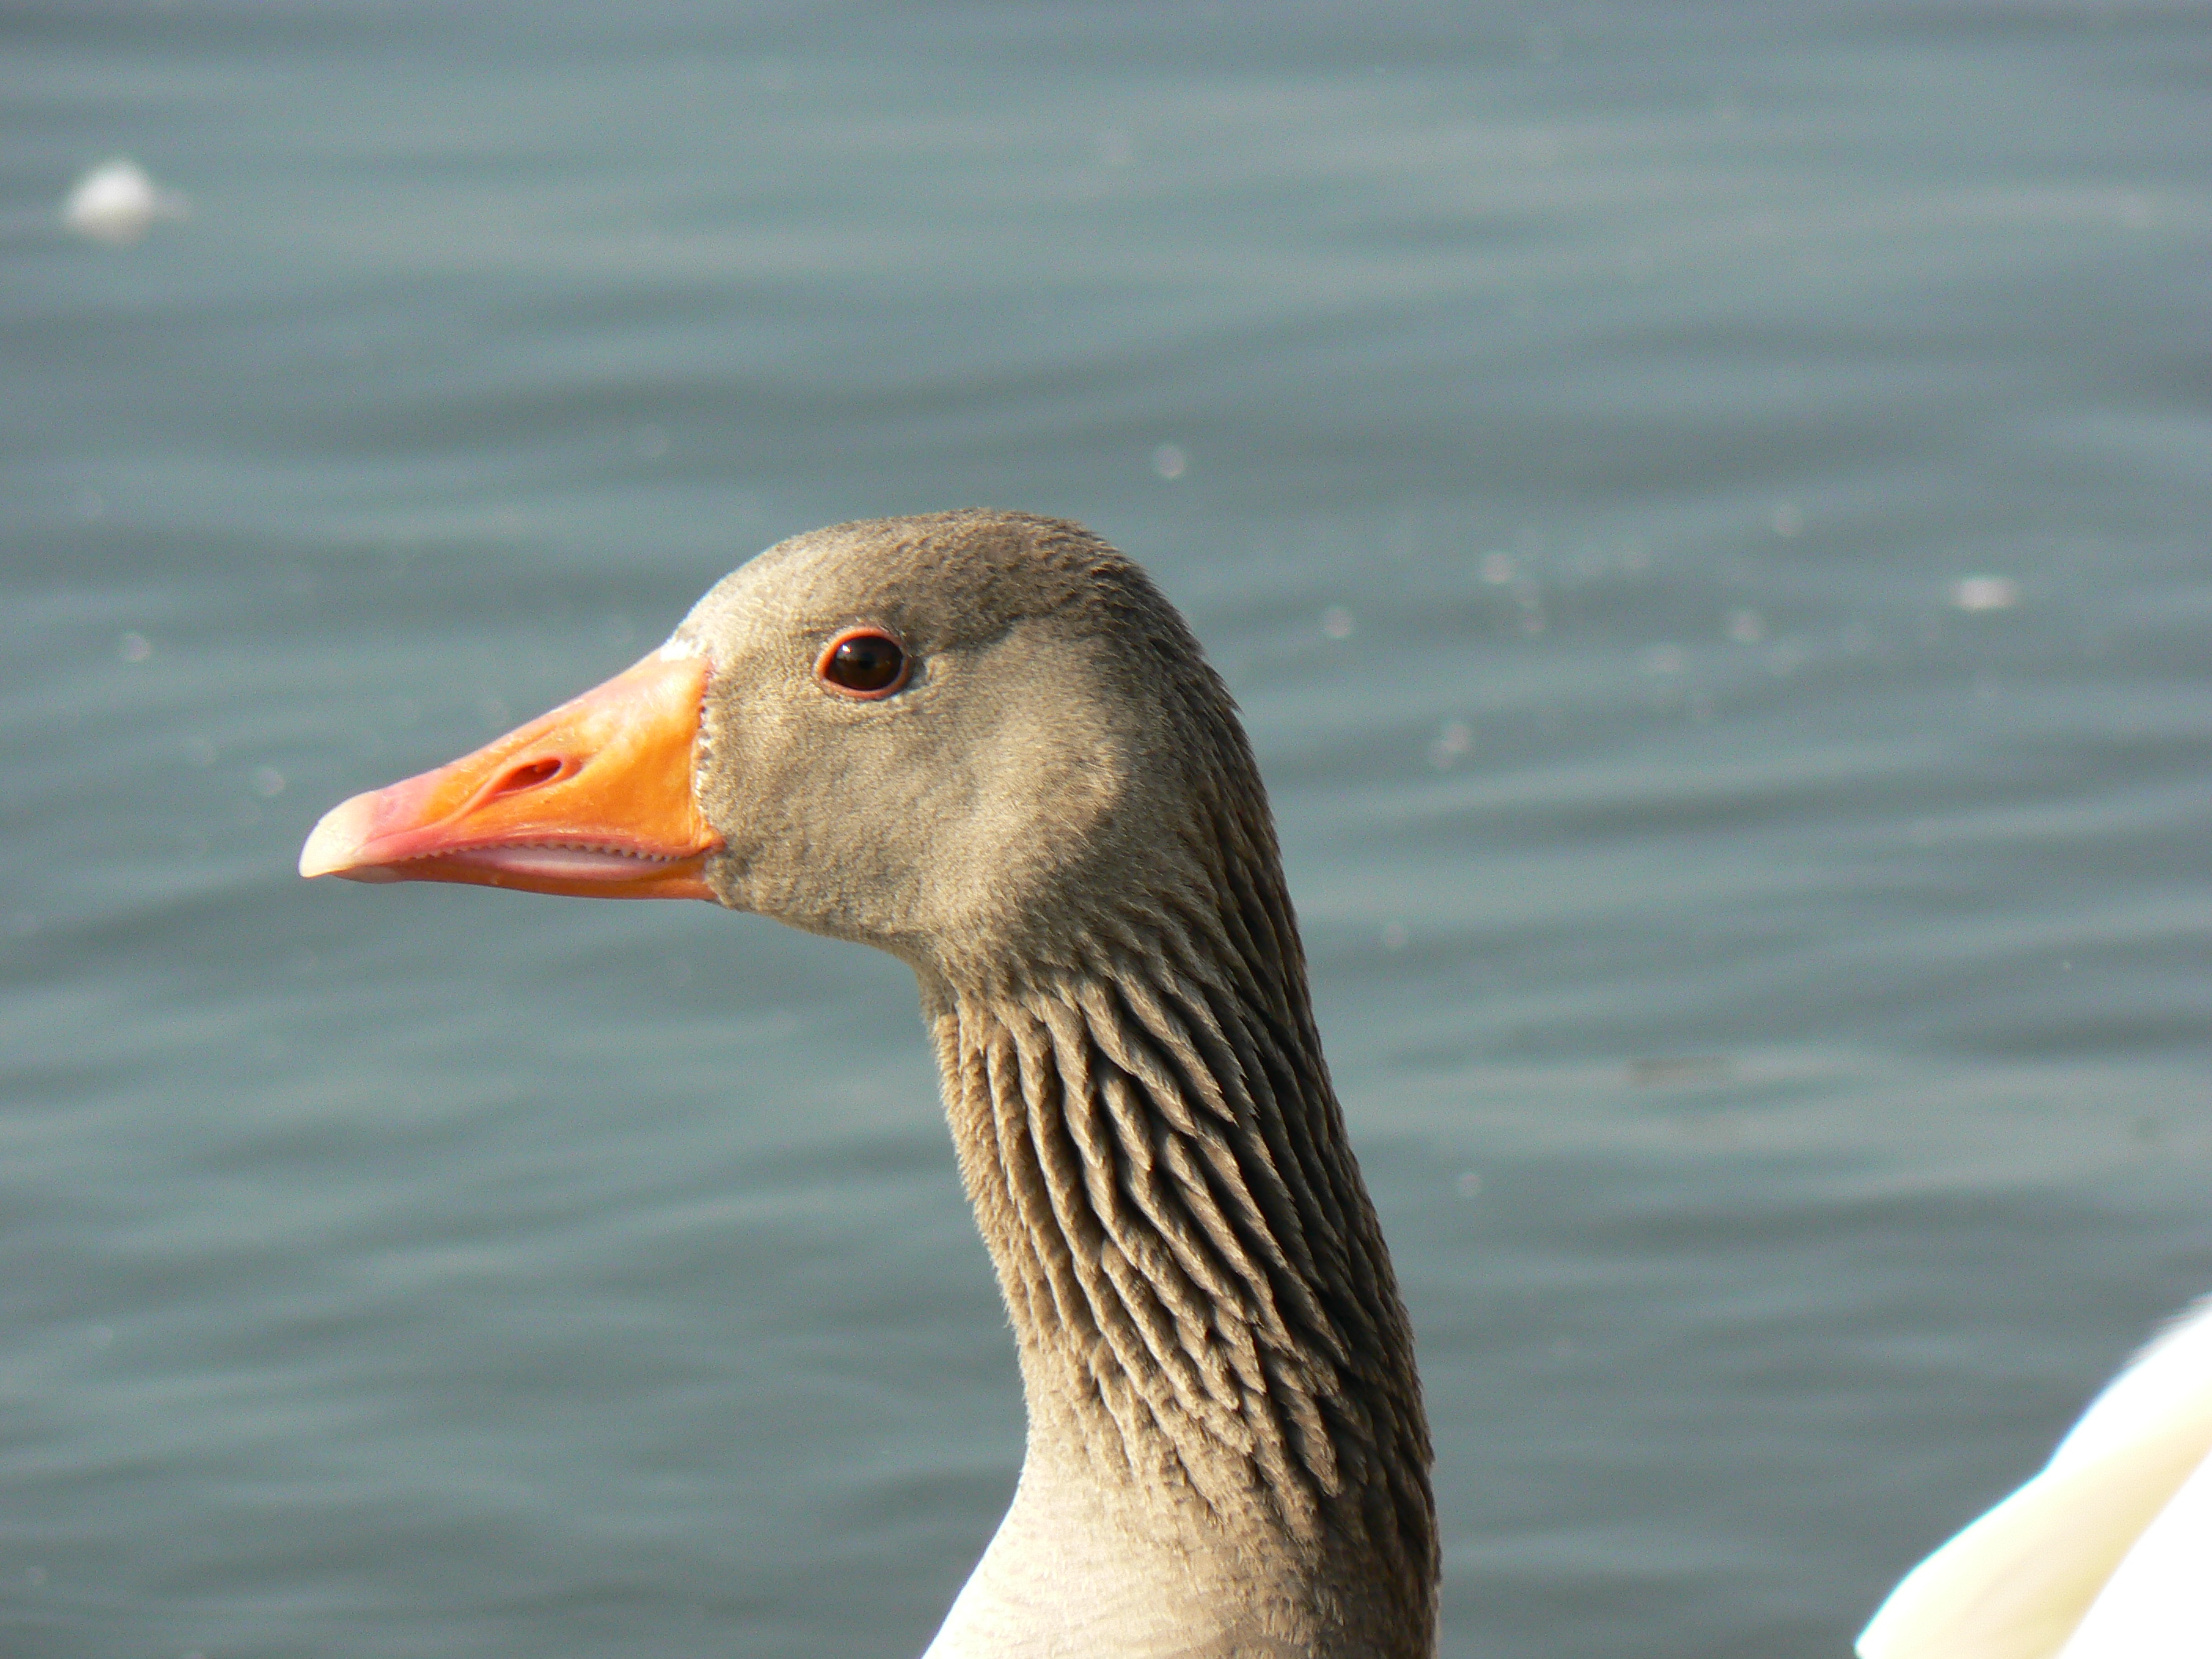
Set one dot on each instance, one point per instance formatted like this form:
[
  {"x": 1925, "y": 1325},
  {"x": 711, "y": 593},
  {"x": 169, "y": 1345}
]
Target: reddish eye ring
[{"x": 867, "y": 663}]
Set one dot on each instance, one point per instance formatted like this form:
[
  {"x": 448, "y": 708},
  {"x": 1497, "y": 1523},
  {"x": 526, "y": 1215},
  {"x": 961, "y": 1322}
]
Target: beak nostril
[{"x": 528, "y": 776}]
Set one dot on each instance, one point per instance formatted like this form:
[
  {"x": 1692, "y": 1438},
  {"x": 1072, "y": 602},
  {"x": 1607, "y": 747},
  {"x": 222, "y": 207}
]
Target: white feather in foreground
[{"x": 2105, "y": 1554}]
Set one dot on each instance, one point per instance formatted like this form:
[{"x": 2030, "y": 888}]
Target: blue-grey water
[{"x": 1708, "y": 511}]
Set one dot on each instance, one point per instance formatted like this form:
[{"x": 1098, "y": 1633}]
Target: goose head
[{"x": 962, "y": 738}]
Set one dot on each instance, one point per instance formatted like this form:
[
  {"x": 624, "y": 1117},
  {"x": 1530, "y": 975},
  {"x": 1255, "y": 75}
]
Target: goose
[
  {"x": 984, "y": 742},
  {"x": 2105, "y": 1554}
]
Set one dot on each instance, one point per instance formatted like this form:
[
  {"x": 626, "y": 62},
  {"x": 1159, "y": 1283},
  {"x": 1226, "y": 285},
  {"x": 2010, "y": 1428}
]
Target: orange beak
[{"x": 592, "y": 800}]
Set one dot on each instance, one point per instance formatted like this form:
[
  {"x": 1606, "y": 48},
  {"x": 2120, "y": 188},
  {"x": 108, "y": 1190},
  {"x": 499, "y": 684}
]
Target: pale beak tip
[{"x": 334, "y": 848}]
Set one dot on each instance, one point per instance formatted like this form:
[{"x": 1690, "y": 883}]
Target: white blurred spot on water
[
  {"x": 1170, "y": 462},
  {"x": 1985, "y": 594},
  {"x": 1457, "y": 738},
  {"x": 1497, "y": 568},
  {"x": 1789, "y": 520},
  {"x": 1393, "y": 936},
  {"x": 1746, "y": 627},
  {"x": 117, "y": 201},
  {"x": 1469, "y": 1184},
  {"x": 134, "y": 647},
  {"x": 268, "y": 782},
  {"x": 1336, "y": 622}
]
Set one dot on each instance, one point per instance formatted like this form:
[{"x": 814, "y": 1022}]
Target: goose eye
[{"x": 865, "y": 663}]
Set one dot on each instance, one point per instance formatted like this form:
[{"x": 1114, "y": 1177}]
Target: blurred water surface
[{"x": 1705, "y": 506}]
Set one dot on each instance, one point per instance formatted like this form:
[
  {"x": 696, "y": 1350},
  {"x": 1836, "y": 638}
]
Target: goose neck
[{"x": 1208, "y": 1327}]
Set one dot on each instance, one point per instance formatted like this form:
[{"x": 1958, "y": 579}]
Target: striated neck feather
[{"x": 1218, "y": 1369}]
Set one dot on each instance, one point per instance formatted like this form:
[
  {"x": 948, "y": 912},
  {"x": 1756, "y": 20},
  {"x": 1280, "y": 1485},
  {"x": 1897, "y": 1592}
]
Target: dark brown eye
[{"x": 864, "y": 662}]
